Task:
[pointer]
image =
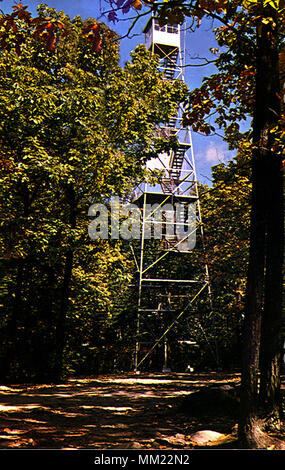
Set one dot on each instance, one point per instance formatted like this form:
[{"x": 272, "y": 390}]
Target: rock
[
  {"x": 178, "y": 439},
  {"x": 175, "y": 441},
  {"x": 203, "y": 438},
  {"x": 136, "y": 445},
  {"x": 215, "y": 399}
]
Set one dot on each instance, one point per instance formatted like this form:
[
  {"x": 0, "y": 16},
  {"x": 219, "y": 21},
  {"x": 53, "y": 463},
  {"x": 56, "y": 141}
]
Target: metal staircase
[
  {"x": 169, "y": 64},
  {"x": 176, "y": 160}
]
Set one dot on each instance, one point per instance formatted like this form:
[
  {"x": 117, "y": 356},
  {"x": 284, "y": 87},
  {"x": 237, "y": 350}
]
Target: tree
[
  {"x": 248, "y": 83},
  {"x": 226, "y": 216},
  {"x": 74, "y": 129}
]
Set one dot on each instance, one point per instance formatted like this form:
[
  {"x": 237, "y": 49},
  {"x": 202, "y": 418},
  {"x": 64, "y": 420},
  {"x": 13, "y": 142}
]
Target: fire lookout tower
[{"x": 169, "y": 282}]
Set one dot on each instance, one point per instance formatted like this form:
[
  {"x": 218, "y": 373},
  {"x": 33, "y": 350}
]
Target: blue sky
[{"x": 208, "y": 150}]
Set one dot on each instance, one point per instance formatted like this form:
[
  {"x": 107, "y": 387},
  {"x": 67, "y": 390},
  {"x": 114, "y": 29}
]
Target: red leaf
[
  {"x": 17, "y": 7},
  {"x": 51, "y": 42},
  {"x": 94, "y": 37},
  {"x": 40, "y": 29},
  {"x": 50, "y": 27},
  {"x": 96, "y": 28}
]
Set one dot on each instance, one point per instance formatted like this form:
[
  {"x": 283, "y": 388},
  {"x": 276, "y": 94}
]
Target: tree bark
[
  {"x": 253, "y": 309},
  {"x": 265, "y": 227},
  {"x": 271, "y": 344},
  {"x": 272, "y": 317}
]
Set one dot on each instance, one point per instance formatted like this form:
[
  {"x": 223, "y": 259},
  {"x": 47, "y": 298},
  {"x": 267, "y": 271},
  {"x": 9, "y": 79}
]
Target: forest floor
[{"x": 122, "y": 411}]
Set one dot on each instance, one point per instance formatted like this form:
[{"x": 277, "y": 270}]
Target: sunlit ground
[{"x": 113, "y": 411}]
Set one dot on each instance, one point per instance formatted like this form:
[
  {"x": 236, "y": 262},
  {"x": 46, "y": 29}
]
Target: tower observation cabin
[
  {"x": 156, "y": 35},
  {"x": 167, "y": 286}
]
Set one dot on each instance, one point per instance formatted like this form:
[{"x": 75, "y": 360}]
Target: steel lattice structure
[{"x": 166, "y": 287}]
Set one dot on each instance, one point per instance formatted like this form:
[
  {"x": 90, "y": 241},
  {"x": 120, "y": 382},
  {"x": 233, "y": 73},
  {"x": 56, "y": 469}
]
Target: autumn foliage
[
  {"x": 48, "y": 30},
  {"x": 92, "y": 33}
]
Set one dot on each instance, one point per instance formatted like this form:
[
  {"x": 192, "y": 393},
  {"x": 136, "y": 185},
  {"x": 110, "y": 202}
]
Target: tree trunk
[
  {"x": 271, "y": 345},
  {"x": 270, "y": 399},
  {"x": 263, "y": 224},
  {"x": 253, "y": 309},
  {"x": 60, "y": 326}
]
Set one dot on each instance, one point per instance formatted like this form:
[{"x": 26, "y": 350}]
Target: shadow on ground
[{"x": 107, "y": 412}]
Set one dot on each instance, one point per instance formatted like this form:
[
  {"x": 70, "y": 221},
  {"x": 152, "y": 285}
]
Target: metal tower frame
[{"x": 164, "y": 298}]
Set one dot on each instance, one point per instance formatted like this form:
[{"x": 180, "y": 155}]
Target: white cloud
[{"x": 215, "y": 153}]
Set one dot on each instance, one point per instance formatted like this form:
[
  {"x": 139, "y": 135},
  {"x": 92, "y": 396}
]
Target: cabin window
[{"x": 168, "y": 28}]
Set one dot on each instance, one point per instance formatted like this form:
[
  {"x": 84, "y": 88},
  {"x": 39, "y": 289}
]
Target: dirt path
[{"x": 109, "y": 412}]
